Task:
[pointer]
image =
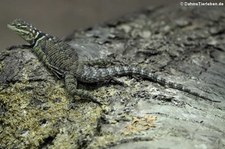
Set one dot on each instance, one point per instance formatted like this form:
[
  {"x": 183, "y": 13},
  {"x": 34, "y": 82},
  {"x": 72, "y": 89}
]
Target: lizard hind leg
[{"x": 71, "y": 86}]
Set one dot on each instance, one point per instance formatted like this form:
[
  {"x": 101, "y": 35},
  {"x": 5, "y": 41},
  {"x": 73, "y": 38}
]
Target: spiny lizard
[{"x": 63, "y": 61}]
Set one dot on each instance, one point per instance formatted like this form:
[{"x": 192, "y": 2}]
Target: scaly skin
[{"x": 63, "y": 61}]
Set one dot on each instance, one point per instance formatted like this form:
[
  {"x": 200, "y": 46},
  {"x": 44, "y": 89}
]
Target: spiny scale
[{"x": 63, "y": 61}]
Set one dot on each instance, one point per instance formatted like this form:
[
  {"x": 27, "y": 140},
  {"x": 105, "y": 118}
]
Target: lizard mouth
[
  {"x": 16, "y": 29},
  {"x": 11, "y": 27}
]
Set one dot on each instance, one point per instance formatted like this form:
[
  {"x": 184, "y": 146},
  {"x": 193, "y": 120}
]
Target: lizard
[{"x": 63, "y": 61}]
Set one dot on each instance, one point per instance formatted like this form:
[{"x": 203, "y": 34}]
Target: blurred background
[{"x": 61, "y": 17}]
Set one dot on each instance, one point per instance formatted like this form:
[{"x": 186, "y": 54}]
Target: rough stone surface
[{"x": 185, "y": 45}]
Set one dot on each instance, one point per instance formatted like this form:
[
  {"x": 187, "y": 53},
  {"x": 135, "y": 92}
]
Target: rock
[{"x": 37, "y": 112}]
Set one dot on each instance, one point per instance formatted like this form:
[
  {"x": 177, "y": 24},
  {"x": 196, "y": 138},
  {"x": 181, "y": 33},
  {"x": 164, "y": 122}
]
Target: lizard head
[{"x": 24, "y": 30}]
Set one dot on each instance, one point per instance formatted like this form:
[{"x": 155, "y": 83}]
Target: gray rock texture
[{"x": 185, "y": 45}]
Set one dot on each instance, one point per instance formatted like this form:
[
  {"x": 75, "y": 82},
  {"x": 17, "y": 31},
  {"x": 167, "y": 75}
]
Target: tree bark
[{"x": 185, "y": 45}]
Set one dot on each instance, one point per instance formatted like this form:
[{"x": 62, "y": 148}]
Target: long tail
[{"x": 92, "y": 75}]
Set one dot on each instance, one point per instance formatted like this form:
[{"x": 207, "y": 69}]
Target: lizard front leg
[{"x": 71, "y": 86}]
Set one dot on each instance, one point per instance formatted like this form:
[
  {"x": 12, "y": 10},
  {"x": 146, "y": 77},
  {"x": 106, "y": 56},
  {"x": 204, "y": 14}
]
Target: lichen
[
  {"x": 39, "y": 112},
  {"x": 139, "y": 124},
  {"x": 26, "y": 124}
]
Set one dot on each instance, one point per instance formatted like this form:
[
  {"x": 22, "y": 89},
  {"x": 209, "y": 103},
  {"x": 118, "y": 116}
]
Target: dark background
[{"x": 61, "y": 17}]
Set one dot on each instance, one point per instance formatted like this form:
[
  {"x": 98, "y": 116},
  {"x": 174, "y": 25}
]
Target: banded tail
[{"x": 92, "y": 75}]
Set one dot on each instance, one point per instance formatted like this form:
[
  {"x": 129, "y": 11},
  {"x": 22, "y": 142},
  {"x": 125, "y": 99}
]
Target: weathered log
[{"x": 185, "y": 45}]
